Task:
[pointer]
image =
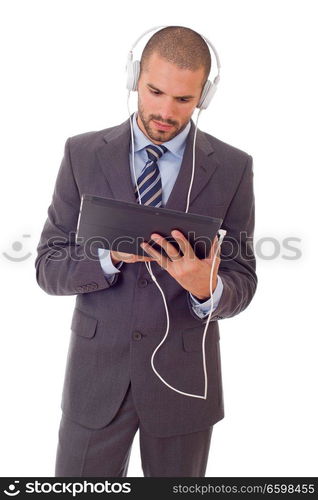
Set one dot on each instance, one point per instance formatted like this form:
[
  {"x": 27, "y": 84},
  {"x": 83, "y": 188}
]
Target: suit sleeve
[
  {"x": 62, "y": 266},
  {"x": 238, "y": 265},
  {"x": 202, "y": 309}
]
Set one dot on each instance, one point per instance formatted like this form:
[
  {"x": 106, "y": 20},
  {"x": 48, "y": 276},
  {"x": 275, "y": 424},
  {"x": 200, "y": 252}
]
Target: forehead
[{"x": 170, "y": 78}]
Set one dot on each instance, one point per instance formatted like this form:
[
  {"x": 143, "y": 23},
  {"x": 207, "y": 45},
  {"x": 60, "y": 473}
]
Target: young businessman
[{"x": 110, "y": 390}]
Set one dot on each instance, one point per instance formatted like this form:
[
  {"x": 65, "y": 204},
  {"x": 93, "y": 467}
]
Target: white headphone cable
[{"x": 148, "y": 266}]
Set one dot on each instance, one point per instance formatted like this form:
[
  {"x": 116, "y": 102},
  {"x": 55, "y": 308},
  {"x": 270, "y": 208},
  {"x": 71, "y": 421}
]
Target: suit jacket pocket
[
  {"x": 83, "y": 324},
  {"x": 192, "y": 337}
]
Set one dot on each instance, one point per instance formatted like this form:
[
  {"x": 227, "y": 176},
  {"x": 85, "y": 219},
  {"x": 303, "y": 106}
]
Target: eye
[
  {"x": 155, "y": 92},
  {"x": 182, "y": 99}
]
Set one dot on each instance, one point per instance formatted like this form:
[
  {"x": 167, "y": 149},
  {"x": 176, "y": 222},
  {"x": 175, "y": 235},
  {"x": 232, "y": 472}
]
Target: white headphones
[{"x": 133, "y": 72}]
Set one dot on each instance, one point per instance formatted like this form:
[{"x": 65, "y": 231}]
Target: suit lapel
[
  {"x": 113, "y": 156},
  {"x": 205, "y": 166}
]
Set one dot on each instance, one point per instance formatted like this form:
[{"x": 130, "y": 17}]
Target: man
[{"x": 110, "y": 390}]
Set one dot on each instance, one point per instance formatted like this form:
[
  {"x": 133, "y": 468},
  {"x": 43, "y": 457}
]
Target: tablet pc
[{"x": 122, "y": 226}]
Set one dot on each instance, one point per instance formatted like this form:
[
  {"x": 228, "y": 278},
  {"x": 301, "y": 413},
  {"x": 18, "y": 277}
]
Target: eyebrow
[{"x": 177, "y": 97}]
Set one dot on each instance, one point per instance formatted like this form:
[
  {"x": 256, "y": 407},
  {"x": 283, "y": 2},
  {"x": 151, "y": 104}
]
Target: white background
[{"x": 63, "y": 73}]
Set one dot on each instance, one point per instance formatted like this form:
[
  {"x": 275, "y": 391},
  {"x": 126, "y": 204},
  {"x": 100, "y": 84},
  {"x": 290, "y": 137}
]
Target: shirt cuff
[
  {"x": 106, "y": 262},
  {"x": 202, "y": 309}
]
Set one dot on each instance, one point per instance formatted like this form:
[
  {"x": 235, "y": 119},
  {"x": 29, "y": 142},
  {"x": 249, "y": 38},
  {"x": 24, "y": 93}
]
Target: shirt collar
[{"x": 175, "y": 146}]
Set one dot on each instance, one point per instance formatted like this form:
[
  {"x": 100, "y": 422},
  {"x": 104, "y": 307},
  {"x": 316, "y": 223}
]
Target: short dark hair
[{"x": 181, "y": 46}]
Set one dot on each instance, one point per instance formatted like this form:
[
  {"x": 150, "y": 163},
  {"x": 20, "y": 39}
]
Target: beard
[{"x": 159, "y": 135}]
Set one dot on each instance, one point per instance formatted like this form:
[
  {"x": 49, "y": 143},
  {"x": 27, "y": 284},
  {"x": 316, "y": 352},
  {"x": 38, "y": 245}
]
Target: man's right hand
[{"x": 130, "y": 258}]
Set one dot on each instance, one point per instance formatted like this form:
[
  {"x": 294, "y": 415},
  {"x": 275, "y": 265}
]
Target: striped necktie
[{"x": 149, "y": 181}]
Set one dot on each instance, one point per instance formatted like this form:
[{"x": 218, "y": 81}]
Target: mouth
[{"x": 162, "y": 126}]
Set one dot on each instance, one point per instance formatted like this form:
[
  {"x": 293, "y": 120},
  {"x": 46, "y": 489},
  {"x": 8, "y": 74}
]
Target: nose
[{"x": 167, "y": 109}]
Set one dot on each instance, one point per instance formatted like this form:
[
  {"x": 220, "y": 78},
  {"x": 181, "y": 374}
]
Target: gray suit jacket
[{"x": 116, "y": 327}]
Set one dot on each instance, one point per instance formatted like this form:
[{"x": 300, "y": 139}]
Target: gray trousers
[{"x": 105, "y": 452}]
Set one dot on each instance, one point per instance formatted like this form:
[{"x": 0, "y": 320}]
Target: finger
[
  {"x": 161, "y": 260},
  {"x": 125, "y": 257},
  {"x": 172, "y": 252},
  {"x": 213, "y": 248},
  {"x": 144, "y": 259},
  {"x": 184, "y": 244},
  {"x": 141, "y": 258},
  {"x": 131, "y": 258}
]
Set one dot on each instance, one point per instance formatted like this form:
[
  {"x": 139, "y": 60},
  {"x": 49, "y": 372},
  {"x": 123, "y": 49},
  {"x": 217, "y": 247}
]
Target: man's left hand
[{"x": 192, "y": 273}]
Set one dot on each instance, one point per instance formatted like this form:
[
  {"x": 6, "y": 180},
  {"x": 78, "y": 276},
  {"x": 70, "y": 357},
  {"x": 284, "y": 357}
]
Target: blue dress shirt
[{"x": 169, "y": 165}]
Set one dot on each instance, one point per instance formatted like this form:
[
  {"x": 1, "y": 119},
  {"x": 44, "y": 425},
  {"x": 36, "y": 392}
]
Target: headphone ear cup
[
  {"x": 208, "y": 92},
  {"x": 133, "y": 71},
  {"x": 136, "y": 68}
]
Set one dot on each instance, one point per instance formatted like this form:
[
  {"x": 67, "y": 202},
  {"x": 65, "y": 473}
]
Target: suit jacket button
[
  {"x": 137, "y": 335},
  {"x": 143, "y": 282}
]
